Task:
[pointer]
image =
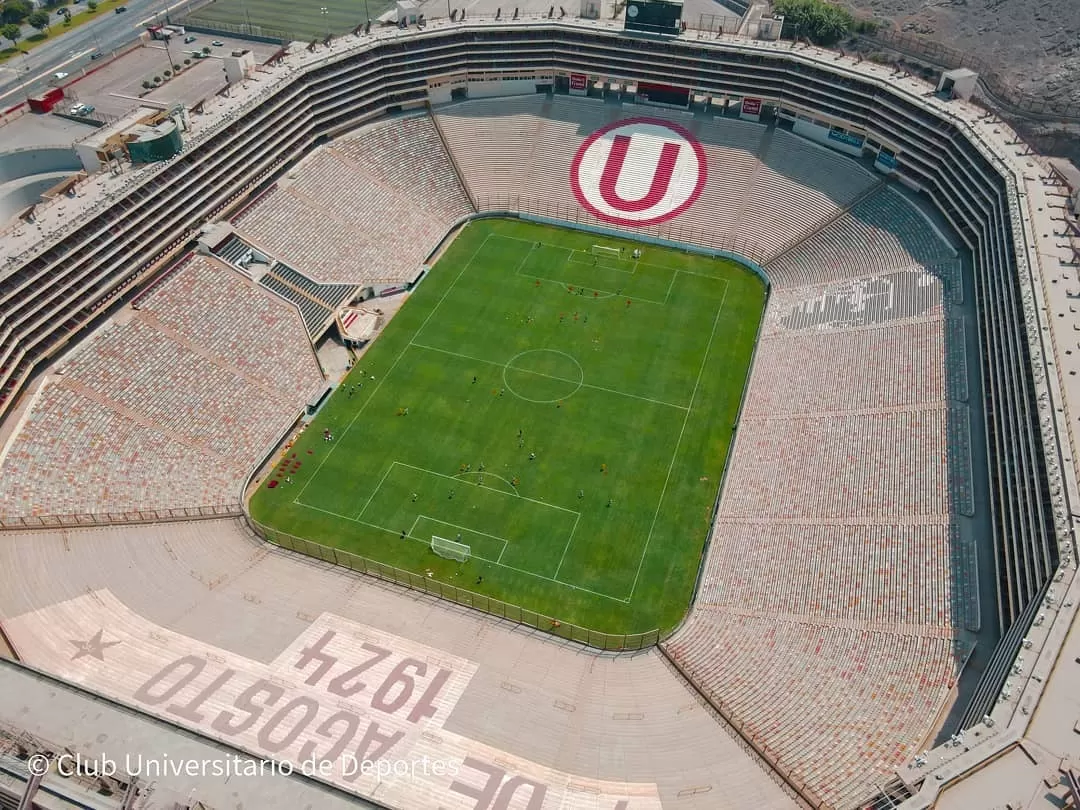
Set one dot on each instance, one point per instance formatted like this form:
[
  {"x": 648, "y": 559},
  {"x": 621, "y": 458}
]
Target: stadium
[{"x": 879, "y": 529}]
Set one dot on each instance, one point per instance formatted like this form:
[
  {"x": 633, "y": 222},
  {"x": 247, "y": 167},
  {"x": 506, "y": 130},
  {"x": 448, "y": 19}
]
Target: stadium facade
[{"x": 53, "y": 290}]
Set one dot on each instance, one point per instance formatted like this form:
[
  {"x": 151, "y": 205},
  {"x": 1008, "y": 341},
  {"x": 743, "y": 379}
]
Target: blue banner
[
  {"x": 847, "y": 137},
  {"x": 887, "y": 160}
]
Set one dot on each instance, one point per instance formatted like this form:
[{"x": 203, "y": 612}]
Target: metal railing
[
  {"x": 120, "y": 518},
  {"x": 485, "y": 604},
  {"x": 1000, "y": 91},
  {"x": 673, "y": 235}
]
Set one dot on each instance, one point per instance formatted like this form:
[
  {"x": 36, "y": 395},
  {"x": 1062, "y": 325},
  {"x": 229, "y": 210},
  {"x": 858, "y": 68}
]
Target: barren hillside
[{"x": 1034, "y": 43}]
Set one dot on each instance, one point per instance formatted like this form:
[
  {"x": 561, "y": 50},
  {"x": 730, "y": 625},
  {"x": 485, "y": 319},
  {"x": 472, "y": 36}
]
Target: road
[{"x": 70, "y": 51}]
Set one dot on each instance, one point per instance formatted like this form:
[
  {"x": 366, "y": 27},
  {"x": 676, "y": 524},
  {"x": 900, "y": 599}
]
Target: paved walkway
[
  {"x": 588, "y": 731},
  {"x": 64, "y": 716}
]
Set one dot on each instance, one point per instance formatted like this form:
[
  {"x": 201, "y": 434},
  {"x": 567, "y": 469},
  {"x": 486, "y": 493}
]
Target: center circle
[{"x": 543, "y": 376}]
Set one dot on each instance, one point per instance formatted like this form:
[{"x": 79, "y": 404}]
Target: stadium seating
[
  {"x": 836, "y": 583},
  {"x": 878, "y": 575},
  {"x": 764, "y": 190},
  {"x": 316, "y": 302},
  {"x": 407, "y": 155},
  {"x": 960, "y": 478},
  {"x": 881, "y": 232},
  {"x": 957, "y": 359},
  {"x": 827, "y": 370},
  {"x": 835, "y": 586},
  {"x": 169, "y": 407},
  {"x": 836, "y": 705},
  {"x": 235, "y": 251},
  {"x": 367, "y": 209},
  {"x": 231, "y": 320},
  {"x": 853, "y": 466},
  {"x": 76, "y": 455},
  {"x": 472, "y": 128},
  {"x": 316, "y": 242},
  {"x": 851, "y": 456}
]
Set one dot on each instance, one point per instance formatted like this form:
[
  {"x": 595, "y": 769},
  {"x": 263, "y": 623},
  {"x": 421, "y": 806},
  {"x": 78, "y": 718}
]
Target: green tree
[
  {"x": 15, "y": 11},
  {"x": 92, "y": 5},
  {"x": 820, "y": 22},
  {"x": 147, "y": 84},
  {"x": 39, "y": 20},
  {"x": 10, "y": 31}
]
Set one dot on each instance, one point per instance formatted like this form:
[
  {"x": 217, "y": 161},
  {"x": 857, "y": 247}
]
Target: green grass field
[
  {"x": 622, "y": 377},
  {"x": 297, "y": 19}
]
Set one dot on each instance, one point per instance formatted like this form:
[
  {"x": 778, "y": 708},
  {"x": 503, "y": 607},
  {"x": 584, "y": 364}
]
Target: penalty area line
[
  {"x": 397, "y": 533},
  {"x": 566, "y": 548},
  {"x": 375, "y": 491}
]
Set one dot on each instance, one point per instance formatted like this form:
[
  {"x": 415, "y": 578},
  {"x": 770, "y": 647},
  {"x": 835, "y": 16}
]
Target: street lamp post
[
  {"x": 97, "y": 41},
  {"x": 326, "y": 15},
  {"x": 26, "y": 80}
]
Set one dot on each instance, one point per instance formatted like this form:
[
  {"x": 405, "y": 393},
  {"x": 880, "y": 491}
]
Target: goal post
[
  {"x": 603, "y": 250},
  {"x": 450, "y": 549}
]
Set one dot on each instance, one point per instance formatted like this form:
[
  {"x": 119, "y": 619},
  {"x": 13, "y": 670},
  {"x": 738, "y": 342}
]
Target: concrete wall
[
  {"x": 18, "y": 194},
  {"x": 509, "y": 87},
  {"x": 37, "y": 160},
  {"x": 820, "y": 135}
]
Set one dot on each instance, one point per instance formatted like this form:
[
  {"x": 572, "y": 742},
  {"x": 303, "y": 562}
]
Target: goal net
[
  {"x": 450, "y": 549},
  {"x": 601, "y": 250}
]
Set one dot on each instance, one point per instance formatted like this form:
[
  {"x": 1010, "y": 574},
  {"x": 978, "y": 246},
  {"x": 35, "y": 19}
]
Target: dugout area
[{"x": 559, "y": 405}]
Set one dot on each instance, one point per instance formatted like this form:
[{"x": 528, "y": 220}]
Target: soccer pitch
[
  {"x": 296, "y": 19},
  {"x": 567, "y": 415}
]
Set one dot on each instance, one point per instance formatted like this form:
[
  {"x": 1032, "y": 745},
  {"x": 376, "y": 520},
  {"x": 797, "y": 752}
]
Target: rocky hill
[{"x": 1033, "y": 44}]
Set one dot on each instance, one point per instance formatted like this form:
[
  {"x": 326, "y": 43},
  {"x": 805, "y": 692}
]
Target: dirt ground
[{"x": 1035, "y": 44}]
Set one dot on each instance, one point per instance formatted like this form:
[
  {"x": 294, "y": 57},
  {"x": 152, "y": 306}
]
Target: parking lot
[
  {"x": 42, "y": 130},
  {"x": 116, "y": 88}
]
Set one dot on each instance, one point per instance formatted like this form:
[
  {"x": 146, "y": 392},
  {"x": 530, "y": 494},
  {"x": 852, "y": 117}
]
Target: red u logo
[
  {"x": 613, "y": 169},
  {"x": 660, "y": 176}
]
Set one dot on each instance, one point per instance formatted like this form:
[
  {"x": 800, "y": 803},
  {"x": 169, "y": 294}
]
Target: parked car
[
  {"x": 190, "y": 38},
  {"x": 96, "y": 55},
  {"x": 60, "y": 76},
  {"x": 217, "y": 43},
  {"x": 120, "y": 9}
]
